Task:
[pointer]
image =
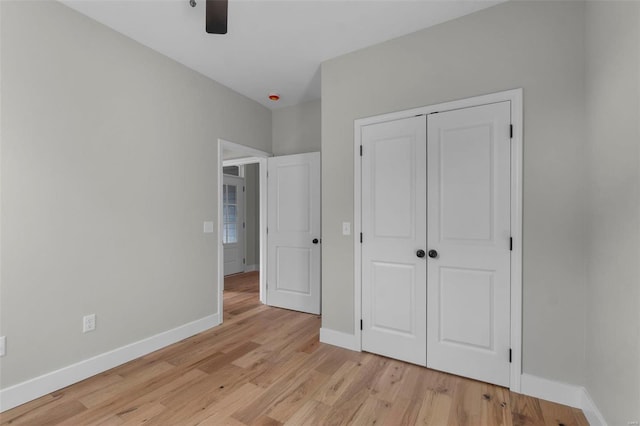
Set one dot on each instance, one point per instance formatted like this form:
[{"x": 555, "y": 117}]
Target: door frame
[
  {"x": 515, "y": 96},
  {"x": 248, "y": 156}
]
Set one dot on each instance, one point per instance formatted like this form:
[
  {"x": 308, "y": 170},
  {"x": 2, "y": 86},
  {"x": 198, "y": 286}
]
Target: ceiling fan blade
[{"x": 216, "y": 11}]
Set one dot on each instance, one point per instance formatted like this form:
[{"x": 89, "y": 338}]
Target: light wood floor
[{"x": 265, "y": 366}]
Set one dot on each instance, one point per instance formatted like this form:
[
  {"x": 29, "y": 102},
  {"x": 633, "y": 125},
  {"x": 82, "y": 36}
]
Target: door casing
[{"x": 515, "y": 96}]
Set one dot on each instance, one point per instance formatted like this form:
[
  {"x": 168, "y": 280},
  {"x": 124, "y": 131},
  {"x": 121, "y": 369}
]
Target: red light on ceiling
[{"x": 274, "y": 97}]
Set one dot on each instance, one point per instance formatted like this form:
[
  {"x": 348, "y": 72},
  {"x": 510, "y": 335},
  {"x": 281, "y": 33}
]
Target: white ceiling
[{"x": 272, "y": 46}]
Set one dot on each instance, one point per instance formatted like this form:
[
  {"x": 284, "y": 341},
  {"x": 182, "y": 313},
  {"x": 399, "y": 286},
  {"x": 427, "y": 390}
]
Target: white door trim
[
  {"x": 515, "y": 97},
  {"x": 252, "y": 155}
]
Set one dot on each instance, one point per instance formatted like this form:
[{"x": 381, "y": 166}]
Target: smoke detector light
[{"x": 274, "y": 97}]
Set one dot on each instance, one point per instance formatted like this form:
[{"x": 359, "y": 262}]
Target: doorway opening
[{"x": 242, "y": 213}]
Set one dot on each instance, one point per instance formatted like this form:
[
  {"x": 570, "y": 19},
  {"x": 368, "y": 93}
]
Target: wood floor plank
[
  {"x": 389, "y": 382},
  {"x": 557, "y": 414},
  {"x": 468, "y": 407},
  {"x": 355, "y": 394},
  {"x": 416, "y": 382},
  {"x": 219, "y": 360},
  {"x": 266, "y": 366},
  {"x": 273, "y": 396},
  {"x": 166, "y": 389},
  {"x": 37, "y": 405},
  {"x": 141, "y": 414},
  {"x": 138, "y": 379},
  {"x": 109, "y": 421},
  {"x": 309, "y": 414},
  {"x": 64, "y": 395},
  {"x": 526, "y": 410},
  {"x": 495, "y": 406},
  {"x": 275, "y": 371},
  {"x": 333, "y": 389},
  {"x": 372, "y": 412},
  {"x": 226, "y": 421},
  {"x": 265, "y": 421},
  {"x": 51, "y": 416},
  {"x": 230, "y": 404},
  {"x": 403, "y": 412},
  {"x": 136, "y": 394},
  {"x": 436, "y": 409},
  {"x": 338, "y": 358},
  {"x": 290, "y": 401}
]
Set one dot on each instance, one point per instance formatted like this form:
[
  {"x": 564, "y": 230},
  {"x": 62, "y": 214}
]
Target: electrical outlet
[
  {"x": 346, "y": 228},
  {"x": 88, "y": 323},
  {"x": 3, "y": 345}
]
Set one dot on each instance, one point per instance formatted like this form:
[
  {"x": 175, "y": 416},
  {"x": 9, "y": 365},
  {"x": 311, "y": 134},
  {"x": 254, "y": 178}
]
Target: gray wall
[
  {"x": 613, "y": 297},
  {"x": 108, "y": 171},
  {"x": 538, "y": 46},
  {"x": 296, "y": 129},
  {"x": 252, "y": 213}
]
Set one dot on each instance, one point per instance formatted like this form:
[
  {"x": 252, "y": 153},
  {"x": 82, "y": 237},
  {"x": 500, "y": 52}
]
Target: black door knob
[
  {"x": 433, "y": 254},
  {"x": 315, "y": 241},
  {"x": 420, "y": 253}
]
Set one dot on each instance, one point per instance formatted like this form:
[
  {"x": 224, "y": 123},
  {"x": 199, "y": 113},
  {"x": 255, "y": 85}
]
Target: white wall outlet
[
  {"x": 208, "y": 227},
  {"x": 3, "y": 345},
  {"x": 88, "y": 323},
  {"x": 346, "y": 228}
]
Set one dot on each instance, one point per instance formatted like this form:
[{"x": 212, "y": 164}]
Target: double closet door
[{"x": 436, "y": 240}]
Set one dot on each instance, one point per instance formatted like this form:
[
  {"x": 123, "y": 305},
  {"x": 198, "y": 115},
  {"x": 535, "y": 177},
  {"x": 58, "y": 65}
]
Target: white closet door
[
  {"x": 394, "y": 236},
  {"x": 469, "y": 242}
]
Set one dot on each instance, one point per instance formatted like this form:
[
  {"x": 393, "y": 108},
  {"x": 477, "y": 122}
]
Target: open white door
[
  {"x": 469, "y": 234},
  {"x": 394, "y": 239},
  {"x": 293, "y": 232},
  {"x": 233, "y": 224}
]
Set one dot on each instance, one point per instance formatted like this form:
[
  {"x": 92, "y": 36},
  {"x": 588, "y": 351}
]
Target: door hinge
[
  {"x": 510, "y": 243},
  {"x": 510, "y": 131},
  {"x": 243, "y": 189},
  {"x": 267, "y": 229},
  {"x": 360, "y": 150},
  {"x": 361, "y": 237},
  {"x": 242, "y": 225},
  {"x": 510, "y": 353},
  {"x": 243, "y": 261},
  {"x": 361, "y": 325}
]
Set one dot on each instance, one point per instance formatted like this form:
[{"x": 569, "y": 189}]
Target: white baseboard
[
  {"x": 550, "y": 390},
  {"x": 338, "y": 338},
  {"x": 563, "y": 393},
  {"x": 34, "y": 388},
  {"x": 251, "y": 268},
  {"x": 591, "y": 412}
]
